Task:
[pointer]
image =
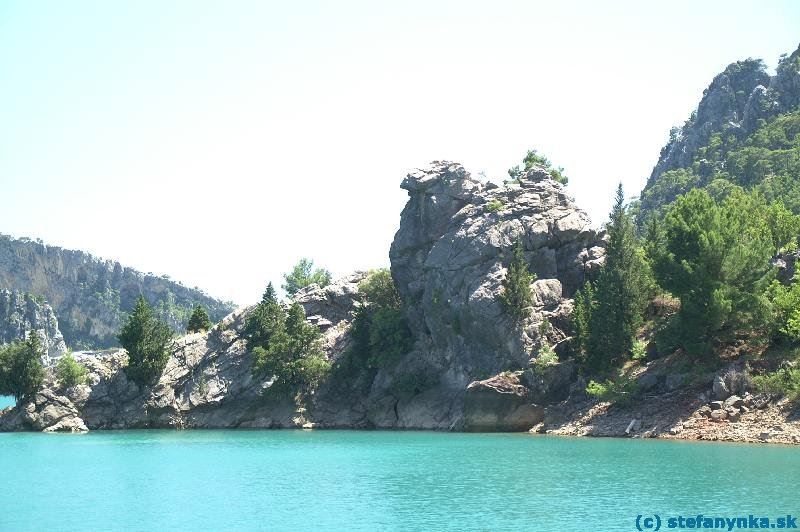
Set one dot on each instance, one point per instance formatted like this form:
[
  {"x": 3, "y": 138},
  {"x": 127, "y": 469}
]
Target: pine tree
[
  {"x": 516, "y": 296},
  {"x": 21, "y": 371},
  {"x": 199, "y": 320},
  {"x": 621, "y": 292},
  {"x": 145, "y": 338},
  {"x": 270, "y": 296},
  {"x": 582, "y": 317},
  {"x": 304, "y": 274},
  {"x": 716, "y": 261}
]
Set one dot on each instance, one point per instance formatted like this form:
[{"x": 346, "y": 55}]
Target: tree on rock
[
  {"x": 146, "y": 338},
  {"x": 517, "y": 297},
  {"x": 534, "y": 158},
  {"x": 199, "y": 320},
  {"x": 21, "y": 371},
  {"x": 621, "y": 293},
  {"x": 304, "y": 274}
]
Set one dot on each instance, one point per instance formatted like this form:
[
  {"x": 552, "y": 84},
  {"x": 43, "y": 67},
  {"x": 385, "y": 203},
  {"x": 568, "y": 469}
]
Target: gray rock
[
  {"x": 720, "y": 389},
  {"x": 716, "y": 405},
  {"x": 734, "y": 401},
  {"x": 674, "y": 381},
  {"x": 500, "y": 404}
]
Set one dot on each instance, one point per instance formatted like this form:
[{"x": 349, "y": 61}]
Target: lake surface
[{"x": 349, "y": 480}]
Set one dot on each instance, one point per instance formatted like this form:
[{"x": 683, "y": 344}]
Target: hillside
[
  {"x": 745, "y": 131},
  {"x": 91, "y": 296}
]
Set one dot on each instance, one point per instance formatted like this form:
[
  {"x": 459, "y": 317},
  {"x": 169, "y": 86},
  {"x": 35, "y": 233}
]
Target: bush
[
  {"x": 620, "y": 391},
  {"x": 784, "y": 382},
  {"x": 145, "y": 338},
  {"x": 21, "y": 371},
  {"x": 69, "y": 372},
  {"x": 639, "y": 350},
  {"x": 494, "y": 206},
  {"x": 517, "y": 297},
  {"x": 547, "y": 357}
]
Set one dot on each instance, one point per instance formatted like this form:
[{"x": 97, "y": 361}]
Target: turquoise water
[
  {"x": 6, "y": 401},
  {"x": 340, "y": 480}
]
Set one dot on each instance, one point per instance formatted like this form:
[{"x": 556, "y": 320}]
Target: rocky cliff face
[
  {"x": 22, "y": 314},
  {"x": 91, "y": 296},
  {"x": 470, "y": 365}
]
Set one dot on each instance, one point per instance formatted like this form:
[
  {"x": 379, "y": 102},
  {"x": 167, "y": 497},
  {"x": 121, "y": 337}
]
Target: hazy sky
[{"x": 218, "y": 142}]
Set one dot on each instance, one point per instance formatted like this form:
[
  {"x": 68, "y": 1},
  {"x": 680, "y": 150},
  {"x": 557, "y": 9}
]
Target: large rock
[
  {"x": 500, "y": 404},
  {"x": 449, "y": 259}
]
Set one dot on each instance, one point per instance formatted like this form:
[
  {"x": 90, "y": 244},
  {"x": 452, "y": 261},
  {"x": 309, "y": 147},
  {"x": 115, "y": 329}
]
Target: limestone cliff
[{"x": 90, "y": 296}]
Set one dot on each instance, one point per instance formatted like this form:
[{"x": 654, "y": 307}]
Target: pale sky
[{"x": 218, "y": 142}]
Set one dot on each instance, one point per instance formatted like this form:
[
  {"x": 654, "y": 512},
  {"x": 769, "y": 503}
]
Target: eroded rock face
[
  {"x": 21, "y": 314},
  {"x": 449, "y": 258}
]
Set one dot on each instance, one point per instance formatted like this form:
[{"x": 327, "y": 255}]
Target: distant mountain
[
  {"x": 745, "y": 132},
  {"x": 91, "y": 296}
]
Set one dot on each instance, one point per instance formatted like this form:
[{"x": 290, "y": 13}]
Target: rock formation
[
  {"x": 470, "y": 365},
  {"x": 90, "y": 295},
  {"x": 23, "y": 314}
]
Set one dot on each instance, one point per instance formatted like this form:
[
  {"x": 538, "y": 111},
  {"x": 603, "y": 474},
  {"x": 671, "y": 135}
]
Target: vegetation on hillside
[
  {"x": 380, "y": 332},
  {"x": 285, "y": 347},
  {"x": 304, "y": 274}
]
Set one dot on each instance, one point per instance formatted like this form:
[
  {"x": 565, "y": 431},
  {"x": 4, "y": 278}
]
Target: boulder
[{"x": 500, "y": 404}]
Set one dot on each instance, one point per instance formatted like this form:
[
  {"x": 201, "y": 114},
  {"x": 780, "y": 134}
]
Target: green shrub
[
  {"x": 619, "y": 391},
  {"x": 69, "y": 372},
  {"x": 547, "y": 357},
  {"x": 784, "y": 382},
  {"x": 639, "y": 350},
  {"x": 494, "y": 206},
  {"x": 145, "y": 338}
]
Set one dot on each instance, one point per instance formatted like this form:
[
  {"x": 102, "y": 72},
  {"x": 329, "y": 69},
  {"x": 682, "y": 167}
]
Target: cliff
[
  {"x": 90, "y": 296},
  {"x": 21, "y": 314}
]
